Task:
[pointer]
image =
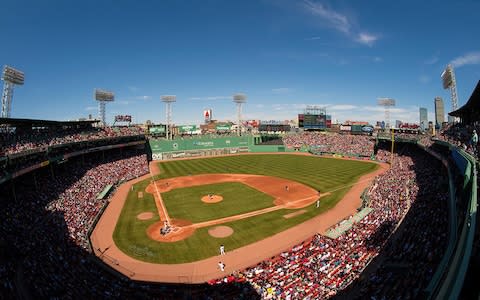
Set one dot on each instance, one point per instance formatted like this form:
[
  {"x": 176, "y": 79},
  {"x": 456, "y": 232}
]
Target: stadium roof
[
  {"x": 470, "y": 112},
  {"x": 39, "y": 123}
]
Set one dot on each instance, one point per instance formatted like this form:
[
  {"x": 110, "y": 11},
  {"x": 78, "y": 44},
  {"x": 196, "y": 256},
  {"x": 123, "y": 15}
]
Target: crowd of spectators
[
  {"x": 411, "y": 257},
  {"x": 461, "y": 136},
  {"x": 15, "y": 142},
  {"x": 79, "y": 204},
  {"x": 321, "y": 267},
  {"x": 44, "y": 226},
  {"x": 66, "y": 199},
  {"x": 332, "y": 143},
  {"x": 47, "y": 223}
]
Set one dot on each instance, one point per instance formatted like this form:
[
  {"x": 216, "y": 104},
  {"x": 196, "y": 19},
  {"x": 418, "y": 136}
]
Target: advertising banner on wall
[
  {"x": 188, "y": 128},
  {"x": 157, "y": 130},
  {"x": 223, "y": 127}
]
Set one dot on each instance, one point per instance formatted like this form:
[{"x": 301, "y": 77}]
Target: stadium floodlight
[
  {"x": 449, "y": 82},
  {"x": 10, "y": 77},
  {"x": 168, "y": 100},
  {"x": 239, "y": 99},
  {"x": 386, "y": 103},
  {"x": 103, "y": 96}
]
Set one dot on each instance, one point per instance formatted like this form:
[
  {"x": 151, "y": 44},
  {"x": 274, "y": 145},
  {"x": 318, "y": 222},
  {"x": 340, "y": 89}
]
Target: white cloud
[
  {"x": 143, "y": 97},
  {"x": 282, "y": 90},
  {"x": 381, "y": 108},
  {"x": 132, "y": 88},
  {"x": 289, "y": 108},
  {"x": 334, "y": 19},
  {"x": 313, "y": 38},
  {"x": 212, "y": 98},
  {"x": 91, "y": 108},
  {"x": 366, "y": 38},
  {"x": 281, "y": 107},
  {"x": 377, "y": 59},
  {"x": 339, "y": 22},
  {"x": 340, "y": 112},
  {"x": 341, "y": 107},
  {"x": 372, "y": 114},
  {"x": 472, "y": 58}
]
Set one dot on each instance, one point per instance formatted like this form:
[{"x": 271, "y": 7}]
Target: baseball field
[{"x": 231, "y": 200}]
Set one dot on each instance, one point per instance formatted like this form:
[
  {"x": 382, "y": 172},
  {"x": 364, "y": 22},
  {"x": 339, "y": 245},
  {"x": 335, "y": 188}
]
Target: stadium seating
[{"x": 44, "y": 227}]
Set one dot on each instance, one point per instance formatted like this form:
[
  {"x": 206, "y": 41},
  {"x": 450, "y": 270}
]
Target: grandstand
[{"x": 412, "y": 238}]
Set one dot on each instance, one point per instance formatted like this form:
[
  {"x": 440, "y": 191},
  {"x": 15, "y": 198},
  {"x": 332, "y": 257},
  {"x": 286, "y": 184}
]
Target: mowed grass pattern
[
  {"x": 324, "y": 174},
  {"x": 185, "y": 203}
]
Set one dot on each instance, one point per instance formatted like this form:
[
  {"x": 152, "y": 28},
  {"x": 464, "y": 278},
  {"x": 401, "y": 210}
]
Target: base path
[
  {"x": 241, "y": 258},
  {"x": 286, "y": 193}
]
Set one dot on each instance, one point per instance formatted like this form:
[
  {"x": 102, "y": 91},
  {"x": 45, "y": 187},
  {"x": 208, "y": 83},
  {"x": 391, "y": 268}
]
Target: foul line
[
  {"x": 252, "y": 213},
  {"x": 160, "y": 200}
]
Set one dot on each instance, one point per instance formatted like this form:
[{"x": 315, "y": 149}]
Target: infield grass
[
  {"x": 185, "y": 203},
  {"x": 323, "y": 174}
]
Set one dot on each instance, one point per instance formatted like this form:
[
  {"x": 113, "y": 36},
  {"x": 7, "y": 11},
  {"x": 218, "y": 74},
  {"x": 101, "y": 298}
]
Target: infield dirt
[{"x": 204, "y": 270}]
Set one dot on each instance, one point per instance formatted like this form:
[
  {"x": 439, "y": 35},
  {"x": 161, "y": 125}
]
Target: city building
[
  {"x": 439, "y": 112},
  {"x": 423, "y": 118}
]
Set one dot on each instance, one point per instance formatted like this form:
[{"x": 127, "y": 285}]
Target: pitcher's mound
[
  {"x": 145, "y": 216},
  {"x": 212, "y": 198},
  {"x": 220, "y": 231}
]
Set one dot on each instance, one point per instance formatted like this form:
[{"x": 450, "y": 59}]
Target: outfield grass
[
  {"x": 185, "y": 203},
  {"x": 324, "y": 174}
]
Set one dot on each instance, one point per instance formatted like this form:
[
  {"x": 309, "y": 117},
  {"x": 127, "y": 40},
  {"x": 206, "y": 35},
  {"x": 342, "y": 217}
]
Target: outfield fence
[{"x": 205, "y": 146}]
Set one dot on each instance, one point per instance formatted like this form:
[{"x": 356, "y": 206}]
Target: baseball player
[
  {"x": 221, "y": 265},
  {"x": 222, "y": 249}
]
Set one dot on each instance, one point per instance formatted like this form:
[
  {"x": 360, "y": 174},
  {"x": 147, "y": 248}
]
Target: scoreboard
[
  {"x": 308, "y": 121},
  {"x": 123, "y": 118}
]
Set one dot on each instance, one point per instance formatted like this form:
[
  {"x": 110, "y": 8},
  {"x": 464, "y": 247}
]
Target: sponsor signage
[
  {"x": 187, "y": 128},
  {"x": 367, "y": 129},
  {"x": 207, "y": 115},
  {"x": 223, "y": 127},
  {"x": 157, "y": 130}
]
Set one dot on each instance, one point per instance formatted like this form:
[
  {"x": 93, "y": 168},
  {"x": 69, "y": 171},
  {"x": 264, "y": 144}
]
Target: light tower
[
  {"x": 10, "y": 77},
  {"x": 103, "y": 96},
  {"x": 239, "y": 99},
  {"x": 449, "y": 82},
  {"x": 168, "y": 99},
  {"x": 386, "y": 103}
]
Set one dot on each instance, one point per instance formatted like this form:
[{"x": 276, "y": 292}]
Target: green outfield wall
[
  {"x": 162, "y": 149},
  {"x": 199, "y": 143}
]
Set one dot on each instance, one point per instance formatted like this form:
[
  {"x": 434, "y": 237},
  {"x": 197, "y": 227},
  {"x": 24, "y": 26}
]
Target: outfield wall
[
  {"x": 204, "y": 146},
  {"x": 198, "y": 146}
]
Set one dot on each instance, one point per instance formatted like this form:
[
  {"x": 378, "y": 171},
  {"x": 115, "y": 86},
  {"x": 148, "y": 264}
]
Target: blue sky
[{"x": 283, "y": 54}]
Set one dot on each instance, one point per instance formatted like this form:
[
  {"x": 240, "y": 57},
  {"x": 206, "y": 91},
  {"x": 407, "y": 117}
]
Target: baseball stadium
[
  {"x": 91, "y": 210},
  {"x": 293, "y": 186}
]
